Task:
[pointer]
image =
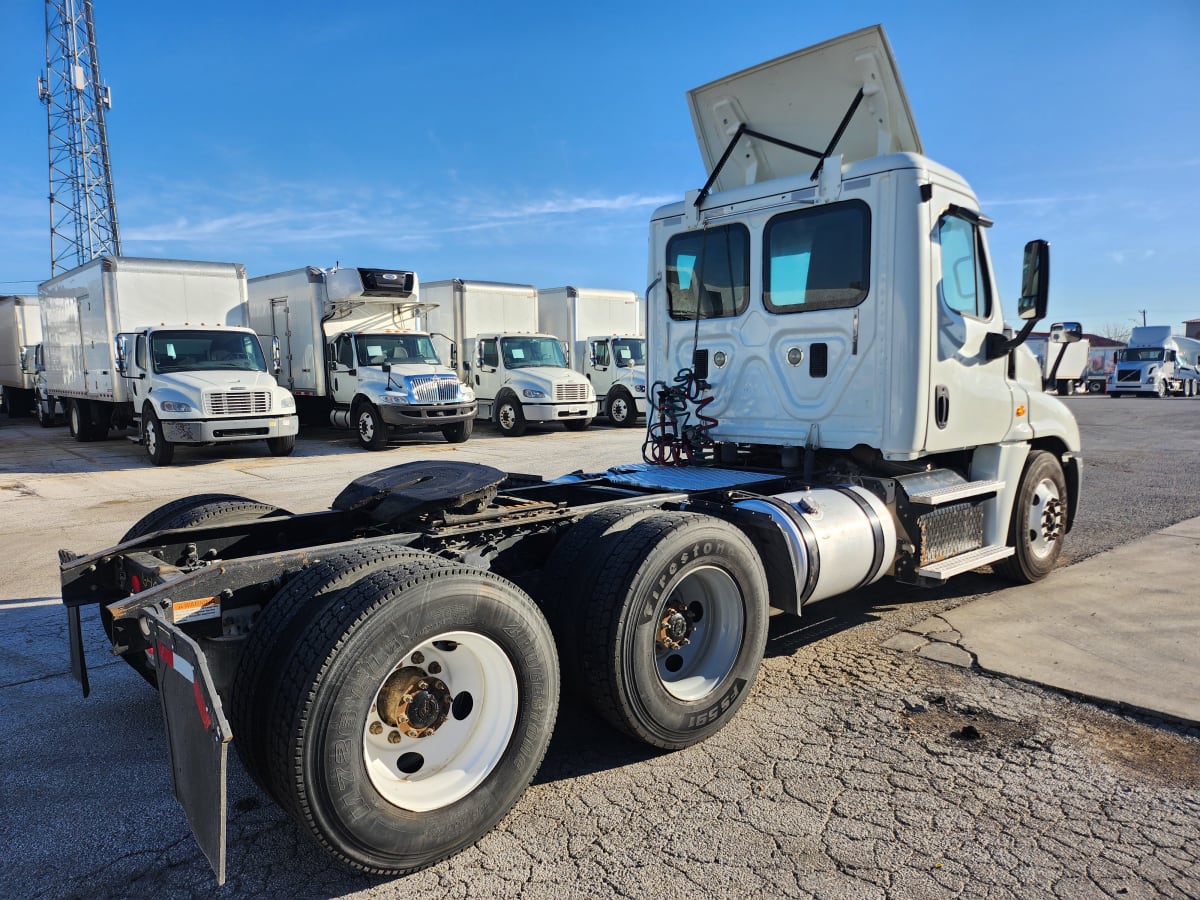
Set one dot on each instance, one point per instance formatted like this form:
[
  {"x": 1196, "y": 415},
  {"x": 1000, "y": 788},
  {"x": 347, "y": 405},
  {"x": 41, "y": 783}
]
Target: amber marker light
[{"x": 1020, "y": 411}]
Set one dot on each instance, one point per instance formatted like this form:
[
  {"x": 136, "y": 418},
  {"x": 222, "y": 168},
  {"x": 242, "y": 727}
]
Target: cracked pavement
[{"x": 852, "y": 770}]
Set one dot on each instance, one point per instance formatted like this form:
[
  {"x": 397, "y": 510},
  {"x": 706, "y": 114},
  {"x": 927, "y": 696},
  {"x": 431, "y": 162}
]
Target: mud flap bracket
[{"x": 198, "y": 734}]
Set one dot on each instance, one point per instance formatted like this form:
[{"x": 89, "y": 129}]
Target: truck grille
[
  {"x": 433, "y": 389},
  {"x": 237, "y": 403},
  {"x": 570, "y": 392},
  {"x": 1134, "y": 375}
]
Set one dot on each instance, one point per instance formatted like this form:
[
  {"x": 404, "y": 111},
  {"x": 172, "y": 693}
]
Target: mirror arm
[{"x": 997, "y": 345}]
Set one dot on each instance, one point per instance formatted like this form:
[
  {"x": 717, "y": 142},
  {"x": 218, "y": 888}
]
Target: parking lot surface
[{"x": 853, "y": 770}]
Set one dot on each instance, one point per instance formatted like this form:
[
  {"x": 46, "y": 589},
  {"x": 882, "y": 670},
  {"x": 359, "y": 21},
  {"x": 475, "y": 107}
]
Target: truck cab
[
  {"x": 615, "y": 364},
  {"x": 1156, "y": 364},
  {"x": 522, "y": 378}
]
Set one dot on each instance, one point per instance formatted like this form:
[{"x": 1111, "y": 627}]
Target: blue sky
[{"x": 530, "y": 142}]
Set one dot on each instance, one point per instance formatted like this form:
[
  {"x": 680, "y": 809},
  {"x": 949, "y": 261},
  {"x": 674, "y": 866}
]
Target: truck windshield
[
  {"x": 629, "y": 352},
  {"x": 195, "y": 351},
  {"x": 395, "y": 349},
  {"x": 1140, "y": 354},
  {"x": 532, "y": 351}
]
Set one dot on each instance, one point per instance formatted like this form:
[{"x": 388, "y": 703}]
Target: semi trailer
[
  {"x": 161, "y": 346},
  {"x": 353, "y": 354},
  {"x": 855, "y": 408},
  {"x": 489, "y": 330},
  {"x": 20, "y": 333},
  {"x": 603, "y": 331}
]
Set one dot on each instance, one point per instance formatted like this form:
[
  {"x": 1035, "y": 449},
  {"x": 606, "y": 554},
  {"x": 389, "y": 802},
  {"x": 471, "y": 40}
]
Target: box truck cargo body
[
  {"x": 1156, "y": 363},
  {"x": 353, "y": 352},
  {"x": 20, "y": 332},
  {"x": 163, "y": 347},
  {"x": 605, "y": 338},
  {"x": 489, "y": 331},
  {"x": 837, "y": 399}
]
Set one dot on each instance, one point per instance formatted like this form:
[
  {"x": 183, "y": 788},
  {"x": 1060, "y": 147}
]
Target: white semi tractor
[
  {"x": 353, "y": 354},
  {"x": 852, "y": 408},
  {"x": 20, "y": 332},
  {"x": 489, "y": 330},
  {"x": 1156, "y": 363},
  {"x": 604, "y": 333},
  {"x": 161, "y": 346}
]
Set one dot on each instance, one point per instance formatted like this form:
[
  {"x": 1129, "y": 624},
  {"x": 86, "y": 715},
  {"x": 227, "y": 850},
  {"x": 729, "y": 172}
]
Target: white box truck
[
  {"x": 20, "y": 332},
  {"x": 352, "y": 352},
  {"x": 1156, "y": 363},
  {"x": 603, "y": 332},
  {"x": 161, "y": 346},
  {"x": 853, "y": 408},
  {"x": 489, "y": 331}
]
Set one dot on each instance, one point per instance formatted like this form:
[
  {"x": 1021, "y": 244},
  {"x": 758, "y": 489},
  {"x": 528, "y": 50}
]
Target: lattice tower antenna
[{"x": 83, "y": 213}]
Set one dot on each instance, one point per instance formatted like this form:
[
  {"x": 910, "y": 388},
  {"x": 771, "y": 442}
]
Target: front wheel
[
  {"x": 510, "y": 418},
  {"x": 459, "y": 432},
  {"x": 577, "y": 424},
  {"x": 1039, "y": 520},
  {"x": 158, "y": 448},
  {"x": 1095, "y": 387},
  {"x": 622, "y": 410},
  {"x": 44, "y": 410},
  {"x": 1160, "y": 389},
  {"x": 282, "y": 446},
  {"x": 372, "y": 430},
  {"x": 418, "y": 707},
  {"x": 676, "y": 627}
]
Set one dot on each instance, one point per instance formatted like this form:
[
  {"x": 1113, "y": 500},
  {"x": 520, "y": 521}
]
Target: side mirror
[
  {"x": 27, "y": 360},
  {"x": 121, "y": 346},
  {"x": 1035, "y": 281},
  {"x": 1065, "y": 332},
  {"x": 276, "y": 356}
]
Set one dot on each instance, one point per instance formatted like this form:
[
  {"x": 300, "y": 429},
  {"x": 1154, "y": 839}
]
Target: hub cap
[{"x": 699, "y": 634}]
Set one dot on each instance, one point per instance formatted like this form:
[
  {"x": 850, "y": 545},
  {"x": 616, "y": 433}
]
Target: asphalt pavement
[{"x": 1120, "y": 627}]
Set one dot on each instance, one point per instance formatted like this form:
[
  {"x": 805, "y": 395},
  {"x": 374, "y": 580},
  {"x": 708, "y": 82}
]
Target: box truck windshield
[
  {"x": 376, "y": 349},
  {"x": 194, "y": 351},
  {"x": 522, "y": 352},
  {"x": 629, "y": 352}
]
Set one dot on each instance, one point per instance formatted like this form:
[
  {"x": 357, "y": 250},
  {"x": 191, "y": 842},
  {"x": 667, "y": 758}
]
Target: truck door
[
  {"x": 488, "y": 374},
  {"x": 598, "y": 367},
  {"x": 970, "y": 401},
  {"x": 281, "y": 328},
  {"x": 343, "y": 371}
]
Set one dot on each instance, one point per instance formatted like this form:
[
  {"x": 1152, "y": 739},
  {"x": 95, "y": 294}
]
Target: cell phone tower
[{"x": 83, "y": 212}]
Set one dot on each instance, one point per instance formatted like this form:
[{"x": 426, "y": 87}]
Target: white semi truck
[
  {"x": 161, "y": 346},
  {"x": 603, "y": 331},
  {"x": 489, "y": 331},
  {"x": 20, "y": 332},
  {"x": 352, "y": 352},
  {"x": 1156, "y": 363},
  {"x": 851, "y": 409}
]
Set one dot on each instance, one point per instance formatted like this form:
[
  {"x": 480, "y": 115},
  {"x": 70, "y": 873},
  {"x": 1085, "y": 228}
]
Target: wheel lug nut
[
  {"x": 418, "y": 658},
  {"x": 376, "y": 728},
  {"x": 434, "y": 668},
  {"x": 394, "y": 737}
]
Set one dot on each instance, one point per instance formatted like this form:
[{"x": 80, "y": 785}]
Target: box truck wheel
[
  {"x": 372, "y": 430},
  {"x": 79, "y": 419},
  {"x": 459, "y": 432},
  {"x": 577, "y": 424},
  {"x": 17, "y": 402},
  {"x": 282, "y": 446},
  {"x": 417, "y": 708},
  {"x": 510, "y": 418},
  {"x": 269, "y": 647},
  {"x": 158, "y": 448},
  {"x": 1039, "y": 520},
  {"x": 44, "y": 409},
  {"x": 199, "y": 509},
  {"x": 622, "y": 410},
  {"x": 1095, "y": 387},
  {"x": 676, "y": 626}
]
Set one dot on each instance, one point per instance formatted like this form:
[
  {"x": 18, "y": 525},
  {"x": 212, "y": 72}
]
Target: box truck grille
[
  {"x": 1134, "y": 375},
  {"x": 570, "y": 392},
  {"x": 237, "y": 403},
  {"x": 432, "y": 389}
]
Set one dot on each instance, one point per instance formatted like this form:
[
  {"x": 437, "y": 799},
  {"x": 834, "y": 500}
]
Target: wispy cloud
[{"x": 1122, "y": 257}]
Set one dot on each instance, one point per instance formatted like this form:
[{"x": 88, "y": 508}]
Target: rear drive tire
[
  {"x": 372, "y": 430},
  {"x": 677, "y": 624},
  {"x": 158, "y": 448},
  {"x": 459, "y": 432},
  {"x": 1039, "y": 520},
  {"x": 415, "y": 710},
  {"x": 79, "y": 418},
  {"x": 282, "y": 446}
]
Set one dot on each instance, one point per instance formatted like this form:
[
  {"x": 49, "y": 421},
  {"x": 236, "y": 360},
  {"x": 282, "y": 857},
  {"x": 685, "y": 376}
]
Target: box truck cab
[
  {"x": 602, "y": 331},
  {"x": 20, "y": 332},
  {"x": 519, "y": 374},
  {"x": 1156, "y": 363},
  {"x": 161, "y": 346},
  {"x": 353, "y": 353}
]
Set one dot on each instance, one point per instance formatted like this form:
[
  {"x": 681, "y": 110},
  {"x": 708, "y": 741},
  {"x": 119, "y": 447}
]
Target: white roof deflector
[{"x": 802, "y": 100}]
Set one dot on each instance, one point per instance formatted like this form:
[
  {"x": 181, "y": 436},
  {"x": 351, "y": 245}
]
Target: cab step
[
  {"x": 947, "y": 568},
  {"x": 955, "y": 492}
]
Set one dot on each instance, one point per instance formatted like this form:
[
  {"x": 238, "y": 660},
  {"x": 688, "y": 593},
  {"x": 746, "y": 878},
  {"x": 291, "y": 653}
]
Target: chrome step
[
  {"x": 955, "y": 492},
  {"x": 964, "y": 562}
]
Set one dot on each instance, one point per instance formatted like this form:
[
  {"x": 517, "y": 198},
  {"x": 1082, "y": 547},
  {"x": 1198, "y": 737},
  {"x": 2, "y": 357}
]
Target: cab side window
[
  {"x": 345, "y": 351},
  {"x": 489, "y": 353},
  {"x": 139, "y": 353},
  {"x": 600, "y": 353},
  {"x": 965, "y": 286}
]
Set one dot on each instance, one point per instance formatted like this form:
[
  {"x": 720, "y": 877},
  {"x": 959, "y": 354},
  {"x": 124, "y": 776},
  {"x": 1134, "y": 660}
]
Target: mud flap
[{"x": 198, "y": 735}]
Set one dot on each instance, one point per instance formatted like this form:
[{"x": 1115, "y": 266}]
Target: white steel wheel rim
[
  {"x": 151, "y": 437},
  {"x": 620, "y": 409},
  {"x": 366, "y": 425},
  {"x": 714, "y": 633},
  {"x": 1045, "y": 518},
  {"x": 464, "y": 749}
]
